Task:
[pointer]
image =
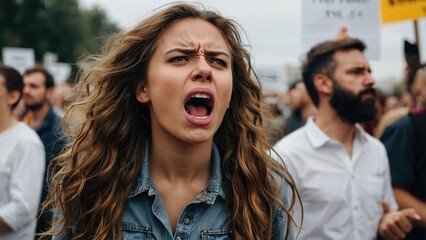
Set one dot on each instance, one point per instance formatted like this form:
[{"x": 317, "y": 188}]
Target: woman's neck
[
  {"x": 179, "y": 172},
  {"x": 180, "y": 162}
]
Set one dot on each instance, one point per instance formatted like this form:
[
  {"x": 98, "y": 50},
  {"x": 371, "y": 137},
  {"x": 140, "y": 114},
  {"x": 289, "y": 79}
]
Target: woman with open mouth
[{"x": 173, "y": 142}]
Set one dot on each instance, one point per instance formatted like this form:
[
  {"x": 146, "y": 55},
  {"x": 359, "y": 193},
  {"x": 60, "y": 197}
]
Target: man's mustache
[{"x": 369, "y": 90}]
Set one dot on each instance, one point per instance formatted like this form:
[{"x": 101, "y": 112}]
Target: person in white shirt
[
  {"x": 341, "y": 172},
  {"x": 22, "y": 161}
]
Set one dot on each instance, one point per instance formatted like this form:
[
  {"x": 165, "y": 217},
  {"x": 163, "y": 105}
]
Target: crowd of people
[{"x": 168, "y": 135}]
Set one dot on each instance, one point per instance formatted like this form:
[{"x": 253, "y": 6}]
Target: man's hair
[
  {"x": 319, "y": 59},
  {"x": 13, "y": 81},
  {"x": 48, "y": 78}
]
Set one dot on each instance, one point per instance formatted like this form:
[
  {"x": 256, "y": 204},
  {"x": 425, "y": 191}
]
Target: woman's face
[{"x": 189, "y": 82}]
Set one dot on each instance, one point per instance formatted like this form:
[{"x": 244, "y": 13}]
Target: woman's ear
[{"x": 142, "y": 94}]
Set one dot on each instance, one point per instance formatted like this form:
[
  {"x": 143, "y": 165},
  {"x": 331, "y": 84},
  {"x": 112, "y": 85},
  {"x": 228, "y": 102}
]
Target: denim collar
[{"x": 215, "y": 188}]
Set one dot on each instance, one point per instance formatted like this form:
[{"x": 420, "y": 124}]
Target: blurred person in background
[
  {"x": 40, "y": 116},
  {"x": 393, "y": 110},
  {"x": 276, "y": 122},
  {"x": 418, "y": 89},
  {"x": 61, "y": 97},
  {"x": 301, "y": 107},
  {"x": 391, "y": 102},
  {"x": 283, "y": 105},
  {"x": 407, "y": 100},
  {"x": 22, "y": 160},
  {"x": 405, "y": 142},
  {"x": 415, "y": 100}
]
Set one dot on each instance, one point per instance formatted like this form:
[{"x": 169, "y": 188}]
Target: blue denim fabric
[
  {"x": 145, "y": 216},
  {"x": 205, "y": 218},
  {"x": 50, "y": 133}
]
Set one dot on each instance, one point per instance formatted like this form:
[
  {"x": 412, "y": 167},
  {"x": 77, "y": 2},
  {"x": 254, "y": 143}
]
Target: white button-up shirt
[{"x": 341, "y": 195}]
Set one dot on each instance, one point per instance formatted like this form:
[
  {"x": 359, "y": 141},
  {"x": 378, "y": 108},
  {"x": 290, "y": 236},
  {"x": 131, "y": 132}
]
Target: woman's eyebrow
[
  {"x": 189, "y": 51},
  {"x": 216, "y": 53},
  {"x": 193, "y": 51}
]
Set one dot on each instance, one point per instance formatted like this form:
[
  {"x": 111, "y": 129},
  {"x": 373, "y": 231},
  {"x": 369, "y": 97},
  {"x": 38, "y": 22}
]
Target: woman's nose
[{"x": 203, "y": 69}]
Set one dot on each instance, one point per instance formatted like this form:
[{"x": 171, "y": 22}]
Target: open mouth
[{"x": 199, "y": 106}]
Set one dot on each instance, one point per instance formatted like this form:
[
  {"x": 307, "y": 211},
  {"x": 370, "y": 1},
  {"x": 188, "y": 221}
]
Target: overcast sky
[{"x": 273, "y": 28}]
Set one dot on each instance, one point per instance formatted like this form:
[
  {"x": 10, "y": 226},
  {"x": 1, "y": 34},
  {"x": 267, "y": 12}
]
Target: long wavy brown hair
[{"x": 97, "y": 169}]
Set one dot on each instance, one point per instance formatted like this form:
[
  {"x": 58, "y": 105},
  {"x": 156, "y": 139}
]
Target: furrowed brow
[
  {"x": 188, "y": 51},
  {"x": 193, "y": 51},
  {"x": 216, "y": 53}
]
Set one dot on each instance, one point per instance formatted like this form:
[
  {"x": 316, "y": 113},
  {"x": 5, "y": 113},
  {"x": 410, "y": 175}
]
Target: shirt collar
[
  {"x": 318, "y": 138},
  {"x": 144, "y": 183},
  {"x": 360, "y": 133}
]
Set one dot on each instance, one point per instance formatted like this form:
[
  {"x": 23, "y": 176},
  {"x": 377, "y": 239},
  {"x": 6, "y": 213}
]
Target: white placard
[
  {"x": 19, "y": 58},
  {"x": 60, "y": 71},
  {"x": 322, "y": 19}
]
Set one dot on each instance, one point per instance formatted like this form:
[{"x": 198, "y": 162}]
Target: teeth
[
  {"x": 199, "y": 117},
  {"x": 201, "y": 95}
]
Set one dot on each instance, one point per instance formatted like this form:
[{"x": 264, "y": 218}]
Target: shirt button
[
  {"x": 186, "y": 220},
  {"x": 178, "y": 238}
]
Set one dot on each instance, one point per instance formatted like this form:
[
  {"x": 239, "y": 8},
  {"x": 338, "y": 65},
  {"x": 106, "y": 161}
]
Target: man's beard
[
  {"x": 351, "y": 108},
  {"x": 34, "y": 106}
]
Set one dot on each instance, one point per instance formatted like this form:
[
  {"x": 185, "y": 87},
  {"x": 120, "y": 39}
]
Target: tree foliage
[{"x": 58, "y": 26}]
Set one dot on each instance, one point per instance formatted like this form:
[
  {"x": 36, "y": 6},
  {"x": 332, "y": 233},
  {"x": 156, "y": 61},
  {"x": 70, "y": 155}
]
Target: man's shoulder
[
  {"x": 52, "y": 122},
  {"x": 418, "y": 119},
  {"x": 53, "y": 116},
  {"x": 403, "y": 125}
]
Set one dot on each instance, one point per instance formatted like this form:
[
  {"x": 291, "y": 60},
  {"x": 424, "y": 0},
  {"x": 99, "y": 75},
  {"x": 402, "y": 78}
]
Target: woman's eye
[
  {"x": 178, "y": 59},
  {"x": 218, "y": 61}
]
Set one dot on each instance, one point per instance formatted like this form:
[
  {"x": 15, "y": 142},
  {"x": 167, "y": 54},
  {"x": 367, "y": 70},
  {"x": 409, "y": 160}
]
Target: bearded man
[
  {"x": 40, "y": 116},
  {"x": 342, "y": 173}
]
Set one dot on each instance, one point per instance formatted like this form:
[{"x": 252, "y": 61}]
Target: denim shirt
[{"x": 206, "y": 217}]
